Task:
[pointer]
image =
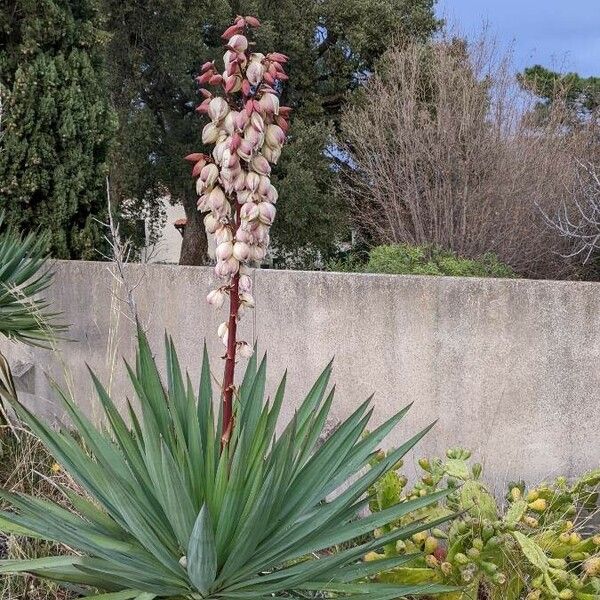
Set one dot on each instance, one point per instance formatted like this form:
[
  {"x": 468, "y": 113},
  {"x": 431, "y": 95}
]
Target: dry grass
[{"x": 26, "y": 466}]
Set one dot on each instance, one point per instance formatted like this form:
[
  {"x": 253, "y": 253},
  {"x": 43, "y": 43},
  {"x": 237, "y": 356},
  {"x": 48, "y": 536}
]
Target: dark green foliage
[
  {"x": 56, "y": 122},
  {"x": 581, "y": 95},
  {"x": 157, "y": 49},
  {"x": 404, "y": 259}
]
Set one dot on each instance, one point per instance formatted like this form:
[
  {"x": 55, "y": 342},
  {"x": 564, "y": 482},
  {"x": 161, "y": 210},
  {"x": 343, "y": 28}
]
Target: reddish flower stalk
[
  {"x": 229, "y": 373},
  {"x": 248, "y": 129}
]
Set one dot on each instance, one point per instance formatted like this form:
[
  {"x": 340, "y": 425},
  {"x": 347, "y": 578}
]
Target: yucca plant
[
  {"x": 168, "y": 514},
  {"x": 24, "y": 315}
]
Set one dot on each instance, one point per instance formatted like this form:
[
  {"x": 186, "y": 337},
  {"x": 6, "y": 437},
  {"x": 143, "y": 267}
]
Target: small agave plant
[{"x": 182, "y": 501}]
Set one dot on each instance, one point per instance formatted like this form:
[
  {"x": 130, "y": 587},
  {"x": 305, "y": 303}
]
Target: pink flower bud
[
  {"x": 258, "y": 253},
  {"x": 229, "y": 123},
  {"x": 247, "y": 299},
  {"x": 209, "y": 175},
  {"x": 202, "y": 108},
  {"x": 277, "y": 57},
  {"x": 241, "y": 251},
  {"x": 225, "y": 268},
  {"x": 282, "y": 123},
  {"x": 267, "y": 212},
  {"x": 207, "y": 66},
  {"x": 271, "y": 154},
  {"x": 252, "y": 181},
  {"x": 242, "y": 235},
  {"x": 252, "y": 21},
  {"x": 211, "y": 224},
  {"x": 264, "y": 185},
  {"x": 195, "y": 157},
  {"x": 210, "y": 133},
  {"x": 233, "y": 83},
  {"x": 245, "y": 284},
  {"x": 216, "y": 298},
  {"x": 219, "y": 150},
  {"x": 260, "y": 165},
  {"x": 240, "y": 181},
  {"x": 255, "y": 72},
  {"x": 272, "y": 194},
  {"x": 238, "y": 43},
  {"x": 198, "y": 167},
  {"x": 235, "y": 142},
  {"x": 269, "y": 78},
  {"x": 241, "y": 120},
  {"x": 257, "y": 122},
  {"x": 269, "y": 103},
  {"x": 244, "y": 196},
  {"x": 231, "y": 31},
  {"x": 217, "y": 200},
  {"x": 244, "y": 350},
  {"x": 246, "y": 88},
  {"x": 205, "y": 77},
  {"x": 216, "y": 80},
  {"x": 202, "y": 204},
  {"x": 205, "y": 93},
  {"x": 245, "y": 150},
  {"x": 223, "y": 234},
  {"x": 218, "y": 109},
  {"x": 224, "y": 250},
  {"x": 249, "y": 211},
  {"x": 261, "y": 234},
  {"x": 274, "y": 136}
]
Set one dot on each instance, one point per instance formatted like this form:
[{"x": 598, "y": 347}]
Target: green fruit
[
  {"x": 478, "y": 543},
  {"x": 431, "y": 544},
  {"x": 460, "y": 558},
  {"x": 487, "y": 532},
  {"x": 424, "y": 464},
  {"x": 557, "y": 563},
  {"x": 540, "y": 505}
]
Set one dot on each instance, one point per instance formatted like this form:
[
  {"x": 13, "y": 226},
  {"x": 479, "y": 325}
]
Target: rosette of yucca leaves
[
  {"x": 24, "y": 315},
  {"x": 167, "y": 513}
]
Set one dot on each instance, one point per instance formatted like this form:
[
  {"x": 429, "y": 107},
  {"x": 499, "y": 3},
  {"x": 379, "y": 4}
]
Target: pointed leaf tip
[{"x": 202, "y": 553}]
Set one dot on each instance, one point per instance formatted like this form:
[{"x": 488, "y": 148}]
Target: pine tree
[{"x": 56, "y": 122}]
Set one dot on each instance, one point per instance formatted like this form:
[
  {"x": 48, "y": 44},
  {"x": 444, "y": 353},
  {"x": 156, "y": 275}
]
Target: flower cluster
[{"x": 248, "y": 128}]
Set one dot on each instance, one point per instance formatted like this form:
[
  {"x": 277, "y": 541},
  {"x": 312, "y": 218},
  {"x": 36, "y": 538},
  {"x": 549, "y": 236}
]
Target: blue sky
[{"x": 556, "y": 33}]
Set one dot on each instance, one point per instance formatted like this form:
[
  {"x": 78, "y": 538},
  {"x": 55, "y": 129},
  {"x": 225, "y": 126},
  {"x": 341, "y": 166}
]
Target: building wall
[{"x": 509, "y": 368}]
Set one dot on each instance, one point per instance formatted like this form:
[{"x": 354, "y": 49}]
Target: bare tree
[
  {"x": 440, "y": 154},
  {"x": 578, "y": 220}
]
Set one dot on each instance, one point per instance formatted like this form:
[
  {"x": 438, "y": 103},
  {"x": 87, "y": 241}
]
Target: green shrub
[
  {"x": 404, "y": 259},
  {"x": 539, "y": 546}
]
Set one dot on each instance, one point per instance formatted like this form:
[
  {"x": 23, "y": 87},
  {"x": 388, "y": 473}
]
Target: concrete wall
[{"x": 510, "y": 368}]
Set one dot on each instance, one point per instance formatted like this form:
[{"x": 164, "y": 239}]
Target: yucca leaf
[
  {"x": 35, "y": 564},
  {"x": 202, "y": 553}
]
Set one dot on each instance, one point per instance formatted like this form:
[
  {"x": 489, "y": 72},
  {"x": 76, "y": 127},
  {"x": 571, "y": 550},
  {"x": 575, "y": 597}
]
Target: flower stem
[{"x": 229, "y": 374}]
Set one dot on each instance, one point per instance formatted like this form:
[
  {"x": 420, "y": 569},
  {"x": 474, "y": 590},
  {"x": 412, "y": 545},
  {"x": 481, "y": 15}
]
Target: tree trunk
[{"x": 194, "y": 247}]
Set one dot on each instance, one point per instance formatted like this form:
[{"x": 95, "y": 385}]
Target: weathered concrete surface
[{"x": 510, "y": 368}]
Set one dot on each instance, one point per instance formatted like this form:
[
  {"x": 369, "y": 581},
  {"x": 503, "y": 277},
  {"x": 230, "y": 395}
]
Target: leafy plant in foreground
[
  {"x": 537, "y": 548},
  {"x": 24, "y": 316},
  {"x": 171, "y": 515}
]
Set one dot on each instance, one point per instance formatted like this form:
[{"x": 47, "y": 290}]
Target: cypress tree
[{"x": 56, "y": 122}]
